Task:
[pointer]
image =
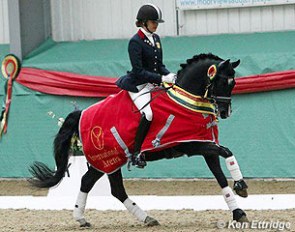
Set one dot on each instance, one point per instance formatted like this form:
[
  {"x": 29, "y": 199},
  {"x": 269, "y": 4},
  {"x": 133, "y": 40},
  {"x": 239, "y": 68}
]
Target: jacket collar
[
  {"x": 145, "y": 36},
  {"x": 141, "y": 34}
]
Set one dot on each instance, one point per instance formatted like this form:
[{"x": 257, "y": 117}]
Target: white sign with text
[{"x": 215, "y": 4}]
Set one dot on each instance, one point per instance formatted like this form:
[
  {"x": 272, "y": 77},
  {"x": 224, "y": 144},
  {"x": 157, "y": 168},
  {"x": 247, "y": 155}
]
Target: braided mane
[
  {"x": 199, "y": 57},
  {"x": 193, "y": 75}
]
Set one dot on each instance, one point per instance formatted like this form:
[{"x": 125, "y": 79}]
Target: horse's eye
[{"x": 230, "y": 81}]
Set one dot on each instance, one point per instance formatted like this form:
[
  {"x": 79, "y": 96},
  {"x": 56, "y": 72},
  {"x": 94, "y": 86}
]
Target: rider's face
[{"x": 152, "y": 25}]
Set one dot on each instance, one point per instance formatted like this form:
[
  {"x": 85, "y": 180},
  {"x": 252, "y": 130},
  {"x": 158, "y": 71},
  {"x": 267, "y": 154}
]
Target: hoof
[
  {"x": 149, "y": 221},
  {"x": 240, "y": 188},
  {"x": 243, "y": 219},
  {"x": 240, "y": 216},
  {"x": 84, "y": 223}
]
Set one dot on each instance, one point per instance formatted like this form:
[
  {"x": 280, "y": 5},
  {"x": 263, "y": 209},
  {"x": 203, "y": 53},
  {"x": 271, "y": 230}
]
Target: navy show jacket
[{"x": 146, "y": 60}]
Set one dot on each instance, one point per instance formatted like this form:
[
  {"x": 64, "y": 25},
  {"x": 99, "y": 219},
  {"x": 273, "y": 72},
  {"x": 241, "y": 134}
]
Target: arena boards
[
  {"x": 197, "y": 203},
  {"x": 64, "y": 195}
]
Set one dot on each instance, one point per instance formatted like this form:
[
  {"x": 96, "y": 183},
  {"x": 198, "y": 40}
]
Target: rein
[
  {"x": 160, "y": 89},
  {"x": 165, "y": 87}
]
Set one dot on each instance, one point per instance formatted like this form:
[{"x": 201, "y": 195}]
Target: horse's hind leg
[
  {"x": 87, "y": 183},
  {"x": 118, "y": 191},
  {"x": 229, "y": 197},
  {"x": 232, "y": 165}
]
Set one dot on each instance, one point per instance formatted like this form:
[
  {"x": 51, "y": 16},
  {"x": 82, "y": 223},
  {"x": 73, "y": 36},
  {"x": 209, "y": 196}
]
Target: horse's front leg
[
  {"x": 87, "y": 182},
  {"x": 229, "y": 197},
  {"x": 118, "y": 191},
  {"x": 211, "y": 153},
  {"x": 232, "y": 165}
]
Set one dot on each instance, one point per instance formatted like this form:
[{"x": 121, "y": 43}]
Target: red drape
[
  {"x": 71, "y": 84},
  {"x": 65, "y": 83},
  {"x": 265, "y": 82}
]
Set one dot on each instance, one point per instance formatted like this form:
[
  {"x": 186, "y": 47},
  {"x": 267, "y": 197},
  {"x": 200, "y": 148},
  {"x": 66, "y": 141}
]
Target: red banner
[
  {"x": 65, "y": 83},
  {"x": 71, "y": 84},
  {"x": 265, "y": 82}
]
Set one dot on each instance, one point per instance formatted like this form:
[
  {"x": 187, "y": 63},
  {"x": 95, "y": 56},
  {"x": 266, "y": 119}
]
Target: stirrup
[
  {"x": 140, "y": 161},
  {"x": 130, "y": 162},
  {"x": 137, "y": 161}
]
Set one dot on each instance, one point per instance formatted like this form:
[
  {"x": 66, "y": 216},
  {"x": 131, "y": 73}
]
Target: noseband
[{"x": 222, "y": 99}]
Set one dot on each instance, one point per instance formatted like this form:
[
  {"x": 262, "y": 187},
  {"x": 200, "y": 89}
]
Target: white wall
[
  {"x": 238, "y": 20},
  {"x": 4, "y": 32},
  {"x": 74, "y": 20},
  {"x": 93, "y": 19},
  {"x": 104, "y": 19}
]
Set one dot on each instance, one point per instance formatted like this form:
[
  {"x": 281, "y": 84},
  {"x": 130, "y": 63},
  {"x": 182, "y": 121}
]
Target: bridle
[
  {"x": 215, "y": 98},
  {"x": 222, "y": 99}
]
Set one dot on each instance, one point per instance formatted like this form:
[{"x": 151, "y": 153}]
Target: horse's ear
[
  {"x": 222, "y": 64},
  {"x": 235, "y": 64}
]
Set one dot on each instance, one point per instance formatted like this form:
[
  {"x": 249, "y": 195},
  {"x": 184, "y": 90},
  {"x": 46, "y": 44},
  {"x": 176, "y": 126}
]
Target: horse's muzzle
[
  {"x": 226, "y": 112},
  {"x": 224, "y": 106}
]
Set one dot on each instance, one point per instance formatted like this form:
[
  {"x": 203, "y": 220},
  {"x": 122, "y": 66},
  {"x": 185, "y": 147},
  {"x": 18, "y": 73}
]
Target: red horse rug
[{"x": 108, "y": 128}]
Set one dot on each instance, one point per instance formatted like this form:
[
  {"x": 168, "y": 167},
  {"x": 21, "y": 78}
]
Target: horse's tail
[{"x": 43, "y": 176}]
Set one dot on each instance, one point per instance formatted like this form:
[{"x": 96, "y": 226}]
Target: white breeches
[{"x": 141, "y": 100}]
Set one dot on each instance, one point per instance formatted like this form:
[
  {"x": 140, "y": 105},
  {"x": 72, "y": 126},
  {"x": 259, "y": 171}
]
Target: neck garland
[{"x": 190, "y": 101}]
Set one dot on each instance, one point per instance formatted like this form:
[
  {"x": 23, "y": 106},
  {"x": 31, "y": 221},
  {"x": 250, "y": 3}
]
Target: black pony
[{"x": 205, "y": 76}]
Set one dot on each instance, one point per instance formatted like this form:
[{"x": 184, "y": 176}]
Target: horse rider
[{"x": 145, "y": 54}]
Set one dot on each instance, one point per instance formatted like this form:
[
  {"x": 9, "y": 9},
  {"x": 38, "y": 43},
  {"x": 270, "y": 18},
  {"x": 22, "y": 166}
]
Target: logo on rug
[{"x": 97, "y": 137}]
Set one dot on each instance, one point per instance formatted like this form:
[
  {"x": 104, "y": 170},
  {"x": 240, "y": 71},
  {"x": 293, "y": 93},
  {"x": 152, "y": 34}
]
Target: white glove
[{"x": 169, "y": 78}]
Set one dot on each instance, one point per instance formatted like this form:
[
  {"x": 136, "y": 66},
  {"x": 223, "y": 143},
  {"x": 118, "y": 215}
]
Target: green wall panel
[{"x": 260, "y": 132}]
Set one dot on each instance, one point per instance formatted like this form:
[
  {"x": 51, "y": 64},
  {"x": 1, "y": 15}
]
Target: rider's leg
[
  {"x": 118, "y": 191},
  {"x": 142, "y": 130},
  {"x": 141, "y": 101},
  {"x": 87, "y": 183}
]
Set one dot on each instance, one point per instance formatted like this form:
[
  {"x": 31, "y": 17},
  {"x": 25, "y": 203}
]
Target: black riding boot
[{"x": 142, "y": 130}]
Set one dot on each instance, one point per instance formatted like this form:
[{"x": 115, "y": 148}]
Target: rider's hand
[{"x": 169, "y": 78}]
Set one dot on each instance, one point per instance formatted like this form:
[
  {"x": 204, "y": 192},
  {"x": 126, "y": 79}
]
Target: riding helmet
[{"x": 149, "y": 12}]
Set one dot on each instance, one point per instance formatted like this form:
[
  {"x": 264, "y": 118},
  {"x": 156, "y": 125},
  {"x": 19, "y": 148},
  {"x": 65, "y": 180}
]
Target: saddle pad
[{"x": 172, "y": 124}]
